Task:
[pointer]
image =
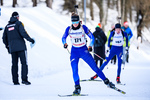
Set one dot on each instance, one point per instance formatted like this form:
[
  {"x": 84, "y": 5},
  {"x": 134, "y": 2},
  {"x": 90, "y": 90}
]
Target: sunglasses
[{"x": 75, "y": 22}]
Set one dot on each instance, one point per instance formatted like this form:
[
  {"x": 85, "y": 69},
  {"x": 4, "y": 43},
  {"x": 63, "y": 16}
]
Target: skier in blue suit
[
  {"x": 127, "y": 29},
  {"x": 117, "y": 48},
  {"x": 79, "y": 49}
]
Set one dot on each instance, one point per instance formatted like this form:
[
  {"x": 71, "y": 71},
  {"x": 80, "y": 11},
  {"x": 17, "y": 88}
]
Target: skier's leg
[
  {"x": 112, "y": 53},
  {"x": 87, "y": 57},
  {"x": 90, "y": 61},
  {"x": 95, "y": 76},
  {"x": 74, "y": 65},
  {"x": 119, "y": 63},
  {"x": 119, "y": 55}
]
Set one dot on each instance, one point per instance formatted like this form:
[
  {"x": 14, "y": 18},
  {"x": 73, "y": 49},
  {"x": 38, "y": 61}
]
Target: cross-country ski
[{"x": 72, "y": 95}]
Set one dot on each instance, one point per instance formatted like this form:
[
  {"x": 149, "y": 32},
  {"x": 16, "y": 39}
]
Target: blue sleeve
[
  {"x": 89, "y": 34},
  {"x": 130, "y": 34},
  {"x": 109, "y": 39},
  {"x": 65, "y": 35},
  {"x": 126, "y": 36}
]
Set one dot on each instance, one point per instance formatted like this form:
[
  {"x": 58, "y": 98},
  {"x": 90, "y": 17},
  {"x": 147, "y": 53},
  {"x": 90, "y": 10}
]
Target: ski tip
[{"x": 121, "y": 84}]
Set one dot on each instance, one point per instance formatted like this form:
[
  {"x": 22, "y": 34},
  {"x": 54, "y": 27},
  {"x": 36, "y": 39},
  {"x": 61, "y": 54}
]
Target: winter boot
[
  {"x": 16, "y": 83},
  {"x": 118, "y": 80},
  {"x": 26, "y": 82},
  {"x": 94, "y": 77},
  {"x": 77, "y": 90},
  {"x": 109, "y": 84}
]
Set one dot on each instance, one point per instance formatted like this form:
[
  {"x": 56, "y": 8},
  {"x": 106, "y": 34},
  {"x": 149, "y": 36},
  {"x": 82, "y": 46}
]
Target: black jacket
[
  {"x": 14, "y": 34},
  {"x": 100, "y": 50}
]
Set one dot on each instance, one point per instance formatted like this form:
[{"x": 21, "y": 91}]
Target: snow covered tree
[
  {"x": 69, "y": 5},
  {"x": 91, "y": 10},
  {"x": 49, "y": 3},
  {"x": 1, "y": 2},
  {"x": 34, "y": 3},
  {"x": 14, "y": 3}
]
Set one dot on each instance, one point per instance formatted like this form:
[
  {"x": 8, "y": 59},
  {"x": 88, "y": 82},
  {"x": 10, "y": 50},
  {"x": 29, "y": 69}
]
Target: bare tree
[
  {"x": 1, "y": 2},
  {"x": 49, "y": 3},
  {"x": 91, "y": 10},
  {"x": 69, "y": 5},
  {"x": 143, "y": 14},
  {"x": 34, "y": 3},
  {"x": 14, "y": 3}
]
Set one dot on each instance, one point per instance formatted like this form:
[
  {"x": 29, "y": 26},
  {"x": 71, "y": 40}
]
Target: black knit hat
[
  {"x": 118, "y": 25},
  {"x": 75, "y": 18},
  {"x": 15, "y": 14}
]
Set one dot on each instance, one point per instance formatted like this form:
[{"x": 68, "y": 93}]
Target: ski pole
[
  {"x": 98, "y": 56},
  {"x": 68, "y": 50}
]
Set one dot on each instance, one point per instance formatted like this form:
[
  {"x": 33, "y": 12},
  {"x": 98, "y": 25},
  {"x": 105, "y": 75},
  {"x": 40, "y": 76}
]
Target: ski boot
[
  {"x": 94, "y": 77},
  {"x": 77, "y": 90},
  {"x": 118, "y": 80},
  {"x": 109, "y": 84}
]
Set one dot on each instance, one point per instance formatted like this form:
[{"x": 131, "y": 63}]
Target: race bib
[
  {"x": 117, "y": 39},
  {"x": 77, "y": 37}
]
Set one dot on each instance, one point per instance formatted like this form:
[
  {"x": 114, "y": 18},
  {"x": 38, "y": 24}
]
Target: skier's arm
[
  {"x": 126, "y": 36},
  {"x": 65, "y": 35},
  {"x": 89, "y": 34},
  {"x": 131, "y": 34},
  {"x": 109, "y": 39}
]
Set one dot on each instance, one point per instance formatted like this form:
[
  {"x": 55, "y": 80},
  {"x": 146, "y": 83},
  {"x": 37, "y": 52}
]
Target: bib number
[{"x": 77, "y": 40}]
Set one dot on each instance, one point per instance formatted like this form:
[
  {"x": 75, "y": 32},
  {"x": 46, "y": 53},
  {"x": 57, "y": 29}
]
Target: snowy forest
[{"x": 129, "y": 10}]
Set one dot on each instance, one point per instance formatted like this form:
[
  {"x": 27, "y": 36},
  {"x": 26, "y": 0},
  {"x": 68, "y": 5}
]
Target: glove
[
  {"x": 65, "y": 45},
  {"x": 127, "y": 50},
  {"x": 32, "y": 41},
  {"x": 89, "y": 48},
  {"x": 108, "y": 49}
]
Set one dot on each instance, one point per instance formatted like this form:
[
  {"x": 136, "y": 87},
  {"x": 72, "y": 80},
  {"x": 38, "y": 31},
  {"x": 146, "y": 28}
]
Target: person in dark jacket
[
  {"x": 13, "y": 38},
  {"x": 99, "y": 46}
]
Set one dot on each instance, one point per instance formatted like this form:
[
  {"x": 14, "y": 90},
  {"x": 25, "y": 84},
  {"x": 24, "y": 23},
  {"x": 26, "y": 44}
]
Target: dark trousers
[
  {"x": 24, "y": 68},
  {"x": 101, "y": 62}
]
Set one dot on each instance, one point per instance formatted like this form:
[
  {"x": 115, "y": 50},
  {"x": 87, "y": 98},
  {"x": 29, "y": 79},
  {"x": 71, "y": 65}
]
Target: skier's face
[
  {"x": 118, "y": 30},
  {"x": 126, "y": 26},
  {"x": 75, "y": 24}
]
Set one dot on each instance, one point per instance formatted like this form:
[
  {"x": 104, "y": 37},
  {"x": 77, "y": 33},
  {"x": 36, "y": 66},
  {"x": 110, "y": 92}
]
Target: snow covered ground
[{"x": 49, "y": 67}]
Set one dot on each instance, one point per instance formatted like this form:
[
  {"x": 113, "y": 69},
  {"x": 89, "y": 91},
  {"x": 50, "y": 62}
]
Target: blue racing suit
[
  {"x": 116, "y": 49},
  {"x": 80, "y": 50}
]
